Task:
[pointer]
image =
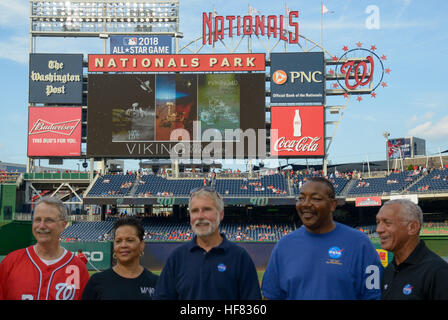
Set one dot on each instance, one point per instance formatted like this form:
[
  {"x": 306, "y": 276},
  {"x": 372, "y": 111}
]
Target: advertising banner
[
  {"x": 177, "y": 62},
  {"x": 54, "y": 131},
  {"x": 135, "y": 115},
  {"x": 98, "y": 253},
  {"x": 399, "y": 148},
  {"x": 298, "y": 131},
  {"x": 55, "y": 78},
  {"x": 159, "y": 44},
  {"x": 410, "y": 197},
  {"x": 384, "y": 257},
  {"x": 368, "y": 201},
  {"x": 297, "y": 77}
]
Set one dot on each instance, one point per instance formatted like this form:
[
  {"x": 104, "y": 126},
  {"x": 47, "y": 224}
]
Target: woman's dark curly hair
[{"x": 133, "y": 222}]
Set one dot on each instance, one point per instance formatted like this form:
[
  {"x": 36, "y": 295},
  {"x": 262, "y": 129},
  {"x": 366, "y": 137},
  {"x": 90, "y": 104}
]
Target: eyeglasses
[
  {"x": 194, "y": 191},
  {"x": 46, "y": 220}
]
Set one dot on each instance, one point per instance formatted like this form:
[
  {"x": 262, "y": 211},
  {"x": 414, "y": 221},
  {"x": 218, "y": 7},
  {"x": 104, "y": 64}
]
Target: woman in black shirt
[{"x": 128, "y": 279}]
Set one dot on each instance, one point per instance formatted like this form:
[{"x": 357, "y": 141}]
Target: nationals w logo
[
  {"x": 65, "y": 291},
  {"x": 166, "y": 201},
  {"x": 359, "y": 71},
  {"x": 259, "y": 201}
]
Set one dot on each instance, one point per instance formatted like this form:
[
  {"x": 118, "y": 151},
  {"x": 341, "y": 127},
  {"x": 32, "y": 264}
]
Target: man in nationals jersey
[{"x": 44, "y": 271}]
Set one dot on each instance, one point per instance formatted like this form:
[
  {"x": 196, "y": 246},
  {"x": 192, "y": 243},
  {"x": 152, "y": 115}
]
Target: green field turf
[{"x": 438, "y": 246}]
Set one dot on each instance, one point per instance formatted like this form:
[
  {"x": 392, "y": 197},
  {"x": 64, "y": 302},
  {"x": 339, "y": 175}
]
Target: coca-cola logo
[
  {"x": 304, "y": 144},
  {"x": 297, "y": 131},
  {"x": 64, "y": 128}
]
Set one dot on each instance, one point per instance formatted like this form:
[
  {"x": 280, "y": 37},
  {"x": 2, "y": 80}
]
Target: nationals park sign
[{"x": 177, "y": 62}]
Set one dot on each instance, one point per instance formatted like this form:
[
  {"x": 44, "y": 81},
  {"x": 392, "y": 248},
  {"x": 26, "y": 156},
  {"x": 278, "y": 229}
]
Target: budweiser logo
[
  {"x": 65, "y": 128},
  {"x": 304, "y": 144}
]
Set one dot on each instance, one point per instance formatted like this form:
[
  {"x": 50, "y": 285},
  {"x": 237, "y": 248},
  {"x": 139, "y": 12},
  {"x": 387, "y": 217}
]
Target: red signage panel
[
  {"x": 176, "y": 62},
  {"x": 297, "y": 131},
  {"x": 374, "y": 201},
  {"x": 54, "y": 131}
]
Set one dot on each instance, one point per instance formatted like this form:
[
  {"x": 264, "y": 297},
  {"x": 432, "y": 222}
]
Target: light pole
[{"x": 387, "y": 135}]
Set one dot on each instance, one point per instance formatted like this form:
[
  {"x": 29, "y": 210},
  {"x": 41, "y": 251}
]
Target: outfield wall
[
  {"x": 99, "y": 254},
  {"x": 15, "y": 235},
  {"x": 156, "y": 253}
]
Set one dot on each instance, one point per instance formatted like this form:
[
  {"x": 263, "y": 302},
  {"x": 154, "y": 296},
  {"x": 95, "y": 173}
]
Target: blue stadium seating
[
  {"x": 165, "y": 230},
  {"x": 267, "y": 186},
  {"x": 88, "y": 231},
  {"x": 156, "y": 184},
  {"x": 112, "y": 185},
  {"x": 395, "y": 182},
  {"x": 436, "y": 180},
  {"x": 274, "y": 185},
  {"x": 338, "y": 183},
  {"x": 256, "y": 232}
]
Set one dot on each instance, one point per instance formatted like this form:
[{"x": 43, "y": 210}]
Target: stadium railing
[{"x": 56, "y": 175}]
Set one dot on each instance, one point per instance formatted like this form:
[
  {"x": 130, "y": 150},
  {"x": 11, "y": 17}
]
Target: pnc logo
[{"x": 279, "y": 77}]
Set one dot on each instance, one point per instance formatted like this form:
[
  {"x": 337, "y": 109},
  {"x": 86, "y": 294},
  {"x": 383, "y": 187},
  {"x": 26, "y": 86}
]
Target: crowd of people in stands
[
  {"x": 297, "y": 178},
  {"x": 158, "y": 228},
  {"x": 362, "y": 184},
  {"x": 7, "y": 176},
  {"x": 253, "y": 232},
  {"x": 438, "y": 177},
  {"x": 126, "y": 185},
  {"x": 423, "y": 188},
  {"x": 69, "y": 239},
  {"x": 169, "y": 235}
]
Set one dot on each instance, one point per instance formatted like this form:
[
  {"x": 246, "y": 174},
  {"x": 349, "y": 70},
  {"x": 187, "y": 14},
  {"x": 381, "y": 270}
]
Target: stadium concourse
[{"x": 259, "y": 207}]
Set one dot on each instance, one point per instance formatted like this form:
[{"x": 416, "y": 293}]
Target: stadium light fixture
[
  {"x": 80, "y": 18},
  {"x": 386, "y": 135}
]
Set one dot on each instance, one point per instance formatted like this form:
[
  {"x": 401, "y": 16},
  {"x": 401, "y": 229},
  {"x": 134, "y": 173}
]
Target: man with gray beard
[{"x": 209, "y": 266}]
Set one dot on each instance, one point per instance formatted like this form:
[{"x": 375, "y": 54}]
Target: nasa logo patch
[
  {"x": 335, "y": 252},
  {"x": 222, "y": 267},
  {"x": 407, "y": 289}
]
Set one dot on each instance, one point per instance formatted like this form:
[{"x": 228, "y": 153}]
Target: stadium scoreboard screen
[{"x": 146, "y": 115}]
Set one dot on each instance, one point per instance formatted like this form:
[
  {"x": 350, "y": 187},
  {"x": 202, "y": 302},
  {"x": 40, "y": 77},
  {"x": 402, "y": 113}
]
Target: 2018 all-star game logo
[{"x": 360, "y": 71}]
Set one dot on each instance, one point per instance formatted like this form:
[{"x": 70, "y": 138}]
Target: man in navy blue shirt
[
  {"x": 416, "y": 273},
  {"x": 209, "y": 266}
]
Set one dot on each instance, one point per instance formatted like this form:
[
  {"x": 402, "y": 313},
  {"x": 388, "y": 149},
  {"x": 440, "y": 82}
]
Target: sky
[{"x": 410, "y": 34}]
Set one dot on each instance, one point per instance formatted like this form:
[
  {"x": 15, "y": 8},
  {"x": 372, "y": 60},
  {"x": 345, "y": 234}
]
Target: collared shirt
[
  {"x": 422, "y": 276},
  {"x": 24, "y": 276},
  {"x": 225, "y": 272}
]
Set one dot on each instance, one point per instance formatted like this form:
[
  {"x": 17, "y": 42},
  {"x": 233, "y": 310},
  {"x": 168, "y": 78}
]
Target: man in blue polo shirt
[
  {"x": 323, "y": 259},
  {"x": 209, "y": 266}
]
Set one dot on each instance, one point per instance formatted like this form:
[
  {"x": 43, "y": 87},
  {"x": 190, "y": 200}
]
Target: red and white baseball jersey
[{"x": 23, "y": 276}]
